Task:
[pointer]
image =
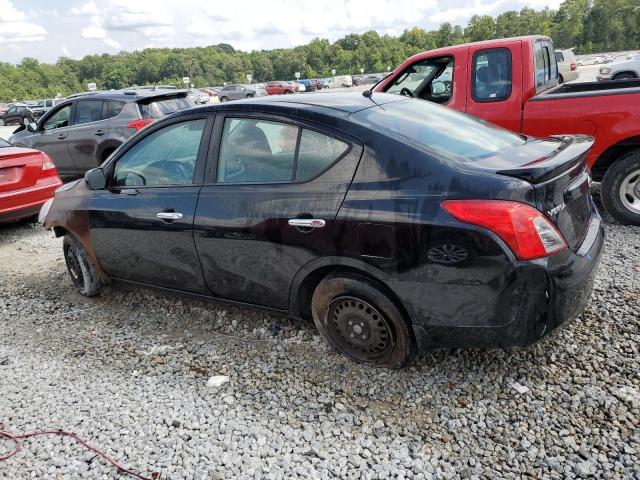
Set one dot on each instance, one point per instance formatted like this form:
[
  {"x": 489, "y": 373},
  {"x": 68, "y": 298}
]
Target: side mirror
[
  {"x": 32, "y": 127},
  {"x": 95, "y": 179}
]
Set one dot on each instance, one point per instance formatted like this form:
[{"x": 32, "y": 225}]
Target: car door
[
  {"x": 10, "y": 116},
  {"x": 269, "y": 204},
  {"x": 87, "y": 131},
  {"x": 51, "y": 138},
  {"x": 142, "y": 223}
]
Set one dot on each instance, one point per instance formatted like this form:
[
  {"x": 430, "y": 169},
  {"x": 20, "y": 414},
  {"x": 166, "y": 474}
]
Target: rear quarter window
[{"x": 164, "y": 106}]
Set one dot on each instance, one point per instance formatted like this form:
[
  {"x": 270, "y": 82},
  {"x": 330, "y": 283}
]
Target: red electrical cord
[{"x": 16, "y": 440}]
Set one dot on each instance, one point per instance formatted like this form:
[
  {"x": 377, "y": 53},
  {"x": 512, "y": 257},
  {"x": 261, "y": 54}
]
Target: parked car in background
[
  {"x": 327, "y": 83},
  {"x": 280, "y": 88},
  {"x": 343, "y": 81},
  {"x": 300, "y": 87},
  {"x": 237, "y": 92},
  {"x": 315, "y": 207},
  {"x": 567, "y": 65},
  {"x": 28, "y": 179},
  {"x": 19, "y": 114},
  {"x": 622, "y": 70},
  {"x": 310, "y": 85},
  {"x": 83, "y": 131},
  {"x": 513, "y": 82}
]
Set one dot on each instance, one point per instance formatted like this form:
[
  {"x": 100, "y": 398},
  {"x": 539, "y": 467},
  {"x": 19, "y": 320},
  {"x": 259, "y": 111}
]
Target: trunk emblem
[{"x": 556, "y": 210}]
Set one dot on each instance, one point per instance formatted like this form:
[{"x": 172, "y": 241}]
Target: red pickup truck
[{"x": 513, "y": 82}]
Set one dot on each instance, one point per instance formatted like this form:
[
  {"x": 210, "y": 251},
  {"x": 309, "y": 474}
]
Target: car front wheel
[
  {"x": 357, "y": 319},
  {"x": 620, "y": 190},
  {"x": 83, "y": 274}
]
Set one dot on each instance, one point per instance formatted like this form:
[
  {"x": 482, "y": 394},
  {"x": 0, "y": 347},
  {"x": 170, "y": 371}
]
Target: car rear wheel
[
  {"x": 620, "y": 190},
  {"x": 83, "y": 274},
  {"x": 250, "y": 95},
  {"x": 360, "y": 321},
  {"x": 223, "y": 99}
]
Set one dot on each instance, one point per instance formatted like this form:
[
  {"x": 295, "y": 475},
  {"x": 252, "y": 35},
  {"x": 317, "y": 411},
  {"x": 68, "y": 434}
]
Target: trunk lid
[
  {"x": 561, "y": 182},
  {"x": 19, "y": 168}
]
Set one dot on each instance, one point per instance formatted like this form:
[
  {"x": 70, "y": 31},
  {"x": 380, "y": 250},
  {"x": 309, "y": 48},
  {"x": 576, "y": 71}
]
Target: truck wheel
[
  {"x": 361, "y": 322},
  {"x": 83, "y": 274},
  {"x": 620, "y": 190}
]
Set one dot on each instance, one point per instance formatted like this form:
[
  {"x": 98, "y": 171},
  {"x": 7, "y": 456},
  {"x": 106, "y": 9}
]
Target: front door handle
[
  {"x": 99, "y": 132},
  {"x": 169, "y": 215},
  {"x": 61, "y": 136},
  {"x": 307, "y": 222}
]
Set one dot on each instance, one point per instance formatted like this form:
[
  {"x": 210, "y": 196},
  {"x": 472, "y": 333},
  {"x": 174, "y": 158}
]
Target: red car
[
  {"x": 280, "y": 88},
  {"x": 28, "y": 179},
  {"x": 513, "y": 82}
]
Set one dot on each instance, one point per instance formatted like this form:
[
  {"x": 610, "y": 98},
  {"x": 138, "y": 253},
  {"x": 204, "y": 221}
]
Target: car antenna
[{"x": 369, "y": 94}]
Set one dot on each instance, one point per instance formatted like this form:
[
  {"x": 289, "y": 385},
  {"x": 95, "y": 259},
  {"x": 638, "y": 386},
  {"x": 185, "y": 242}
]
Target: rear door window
[
  {"x": 316, "y": 153},
  {"x": 491, "y": 75},
  {"x": 112, "y": 108},
  {"x": 88, "y": 111}
]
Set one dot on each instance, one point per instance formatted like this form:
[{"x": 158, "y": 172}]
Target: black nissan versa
[{"x": 393, "y": 223}]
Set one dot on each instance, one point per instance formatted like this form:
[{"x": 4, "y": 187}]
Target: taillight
[
  {"x": 139, "y": 124},
  {"x": 574, "y": 67},
  {"x": 48, "y": 168},
  {"x": 527, "y": 231}
]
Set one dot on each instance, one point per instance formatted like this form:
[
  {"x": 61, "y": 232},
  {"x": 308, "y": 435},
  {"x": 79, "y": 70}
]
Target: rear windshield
[
  {"x": 424, "y": 124},
  {"x": 4, "y": 143},
  {"x": 164, "y": 106}
]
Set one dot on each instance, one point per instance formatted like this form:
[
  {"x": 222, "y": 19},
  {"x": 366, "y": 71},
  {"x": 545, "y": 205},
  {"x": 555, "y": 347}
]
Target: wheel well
[
  {"x": 635, "y": 75},
  {"x": 311, "y": 281},
  {"x": 613, "y": 153},
  {"x": 59, "y": 231}
]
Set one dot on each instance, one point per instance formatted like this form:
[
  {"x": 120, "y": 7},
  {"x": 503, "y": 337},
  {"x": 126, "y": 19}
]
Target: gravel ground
[{"x": 128, "y": 371}]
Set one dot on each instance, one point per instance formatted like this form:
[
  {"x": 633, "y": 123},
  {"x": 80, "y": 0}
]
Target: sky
[{"x": 47, "y": 30}]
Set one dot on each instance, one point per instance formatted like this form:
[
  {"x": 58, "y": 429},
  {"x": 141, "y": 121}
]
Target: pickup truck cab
[{"x": 514, "y": 83}]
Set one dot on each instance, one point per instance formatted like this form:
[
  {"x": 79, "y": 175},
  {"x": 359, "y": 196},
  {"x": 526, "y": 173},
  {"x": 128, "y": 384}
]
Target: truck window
[
  {"x": 491, "y": 75},
  {"x": 546, "y": 65},
  {"x": 430, "y": 79}
]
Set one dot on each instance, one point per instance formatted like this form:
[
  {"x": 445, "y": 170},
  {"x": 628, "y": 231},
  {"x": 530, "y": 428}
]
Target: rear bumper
[
  {"x": 23, "y": 203},
  {"x": 544, "y": 295}
]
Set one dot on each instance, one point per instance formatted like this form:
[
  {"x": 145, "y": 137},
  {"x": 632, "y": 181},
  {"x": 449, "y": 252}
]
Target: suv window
[
  {"x": 559, "y": 57},
  {"x": 429, "y": 79},
  {"x": 59, "y": 119},
  {"x": 316, "y": 153},
  {"x": 88, "y": 111},
  {"x": 491, "y": 75},
  {"x": 164, "y": 106},
  {"x": 111, "y": 108},
  {"x": 256, "y": 151},
  {"x": 165, "y": 157}
]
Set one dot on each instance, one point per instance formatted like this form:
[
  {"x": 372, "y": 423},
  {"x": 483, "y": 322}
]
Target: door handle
[
  {"x": 307, "y": 222},
  {"x": 99, "y": 132},
  {"x": 61, "y": 136},
  {"x": 169, "y": 215}
]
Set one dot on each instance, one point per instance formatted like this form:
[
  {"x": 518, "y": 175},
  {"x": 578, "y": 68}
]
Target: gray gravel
[{"x": 128, "y": 371}]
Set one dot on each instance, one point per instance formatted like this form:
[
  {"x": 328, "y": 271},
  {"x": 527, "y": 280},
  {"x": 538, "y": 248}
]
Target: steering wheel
[{"x": 406, "y": 92}]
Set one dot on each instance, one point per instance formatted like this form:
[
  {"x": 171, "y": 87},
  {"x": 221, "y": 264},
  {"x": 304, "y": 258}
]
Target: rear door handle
[
  {"x": 307, "y": 222},
  {"x": 99, "y": 132},
  {"x": 169, "y": 215},
  {"x": 61, "y": 136}
]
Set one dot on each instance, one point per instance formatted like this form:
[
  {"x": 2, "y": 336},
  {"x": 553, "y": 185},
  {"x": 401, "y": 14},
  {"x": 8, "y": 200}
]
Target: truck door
[{"x": 495, "y": 82}]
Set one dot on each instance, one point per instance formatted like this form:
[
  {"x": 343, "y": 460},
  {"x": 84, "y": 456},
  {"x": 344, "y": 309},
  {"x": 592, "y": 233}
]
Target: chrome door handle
[
  {"x": 169, "y": 215},
  {"x": 307, "y": 222}
]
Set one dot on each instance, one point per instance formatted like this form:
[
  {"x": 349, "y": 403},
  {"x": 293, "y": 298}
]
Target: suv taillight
[
  {"x": 527, "y": 231},
  {"x": 139, "y": 124},
  {"x": 574, "y": 67}
]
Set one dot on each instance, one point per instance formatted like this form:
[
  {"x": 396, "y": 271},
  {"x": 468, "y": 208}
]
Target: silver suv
[{"x": 81, "y": 132}]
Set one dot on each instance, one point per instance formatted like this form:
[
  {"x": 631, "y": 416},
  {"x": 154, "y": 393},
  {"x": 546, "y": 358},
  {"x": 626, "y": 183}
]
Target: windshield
[
  {"x": 455, "y": 134},
  {"x": 164, "y": 106}
]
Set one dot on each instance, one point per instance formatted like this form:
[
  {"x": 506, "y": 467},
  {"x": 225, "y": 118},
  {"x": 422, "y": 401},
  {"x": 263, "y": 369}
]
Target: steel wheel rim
[
  {"x": 630, "y": 191},
  {"x": 359, "y": 329},
  {"x": 74, "y": 267},
  {"x": 448, "y": 253}
]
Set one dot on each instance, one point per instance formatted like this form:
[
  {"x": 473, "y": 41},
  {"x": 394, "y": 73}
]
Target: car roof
[
  {"x": 347, "y": 102},
  {"x": 132, "y": 95}
]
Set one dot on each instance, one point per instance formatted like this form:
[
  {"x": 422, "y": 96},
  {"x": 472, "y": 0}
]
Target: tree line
[{"x": 588, "y": 25}]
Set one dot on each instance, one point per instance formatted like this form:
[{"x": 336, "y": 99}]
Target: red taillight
[
  {"x": 574, "y": 67},
  {"x": 48, "y": 169},
  {"x": 139, "y": 124},
  {"x": 527, "y": 231}
]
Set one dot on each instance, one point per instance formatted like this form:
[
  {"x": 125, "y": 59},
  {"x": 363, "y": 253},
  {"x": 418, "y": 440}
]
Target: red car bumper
[{"x": 25, "y": 202}]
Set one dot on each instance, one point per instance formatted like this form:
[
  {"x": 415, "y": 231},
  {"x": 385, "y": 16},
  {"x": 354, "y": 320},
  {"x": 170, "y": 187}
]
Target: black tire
[
  {"x": 614, "y": 185},
  {"x": 346, "y": 306},
  {"x": 624, "y": 76},
  {"x": 82, "y": 272},
  {"x": 287, "y": 92},
  {"x": 223, "y": 99},
  {"x": 250, "y": 95}
]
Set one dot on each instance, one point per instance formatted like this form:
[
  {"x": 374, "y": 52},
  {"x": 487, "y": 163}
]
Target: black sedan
[{"x": 395, "y": 224}]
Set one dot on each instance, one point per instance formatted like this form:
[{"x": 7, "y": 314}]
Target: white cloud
[
  {"x": 112, "y": 43},
  {"x": 65, "y": 51},
  {"x": 94, "y": 30},
  {"x": 15, "y": 28},
  {"x": 87, "y": 9}
]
